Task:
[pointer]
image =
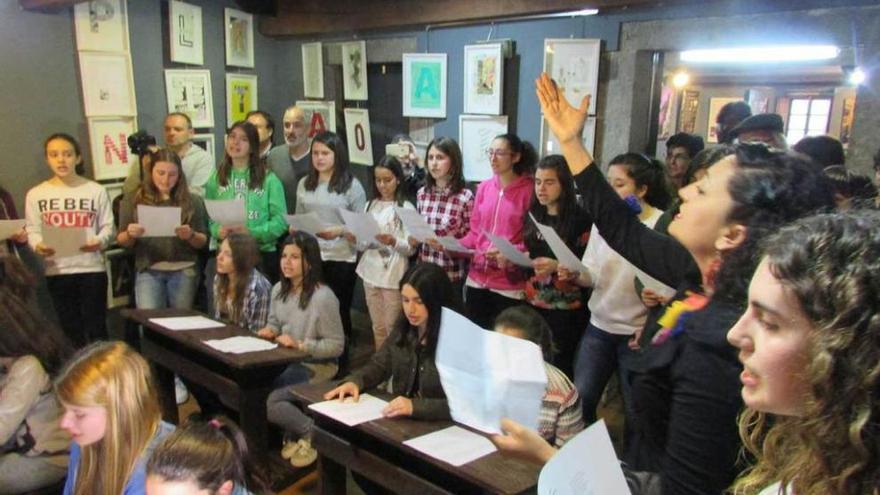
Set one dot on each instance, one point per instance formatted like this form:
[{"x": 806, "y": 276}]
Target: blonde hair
[{"x": 111, "y": 375}]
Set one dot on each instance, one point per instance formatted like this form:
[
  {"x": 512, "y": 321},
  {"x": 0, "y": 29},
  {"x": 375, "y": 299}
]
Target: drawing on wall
[
  {"x": 185, "y": 33},
  {"x": 189, "y": 92},
  {"x": 108, "y": 137},
  {"x": 475, "y": 134},
  {"x": 550, "y": 145},
  {"x": 424, "y": 85},
  {"x": 207, "y": 143},
  {"x": 846, "y": 120},
  {"x": 690, "y": 103},
  {"x": 241, "y": 96},
  {"x": 483, "y": 79},
  {"x": 320, "y": 115},
  {"x": 574, "y": 65},
  {"x": 666, "y": 118},
  {"x": 354, "y": 70},
  {"x": 101, "y": 25},
  {"x": 715, "y": 105},
  {"x": 120, "y": 276},
  {"x": 108, "y": 85},
  {"x": 239, "y": 38},
  {"x": 313, "y": 70},
  {"x": 357, "y": 133}
]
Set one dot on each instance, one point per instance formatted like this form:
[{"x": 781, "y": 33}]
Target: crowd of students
[{"x": 770, "y": 343}]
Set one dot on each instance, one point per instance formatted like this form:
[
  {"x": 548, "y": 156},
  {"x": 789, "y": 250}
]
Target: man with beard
[{"x": 291, "y": 161}]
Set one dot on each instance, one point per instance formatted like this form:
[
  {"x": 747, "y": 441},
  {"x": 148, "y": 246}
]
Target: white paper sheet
[
  {"x": 362, "y": 225},
  {"x": 415, "y": 224},
  {"x": 308, "y": 222},
  {"x": 585, "y": 465},
  {"x": 450, "y": 243},
  {"x": 510, "y": 251},
  {"x": 563, "y": 255},
  {"x": 241, "y": 344},
  {"x": 226, "y": 212},
  {"x": 488, "y": 376},
  {"x": 9, "y": 228},
  {"x": 158, "y": 221},
  {"x": 349, "y": 412},
  {"x": 186, "y": 323},
  {"x": 66, "y": 241},
  {"x": 655, "y": 285},
  {"x": 453, "y": 445}
]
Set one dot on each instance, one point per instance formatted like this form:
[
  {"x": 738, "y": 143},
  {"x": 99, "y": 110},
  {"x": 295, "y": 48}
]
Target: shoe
[
  {"x": 181, "y": 394},
  {"x": 305, "y": 455},
  {"x": 289, "y": 449}
]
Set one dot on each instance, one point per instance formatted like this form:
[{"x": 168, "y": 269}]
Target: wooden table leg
[
  {"x": 253, "y": 420},
  {"x": 332, "y": 476},
  {"x": 167, "y": 399}
]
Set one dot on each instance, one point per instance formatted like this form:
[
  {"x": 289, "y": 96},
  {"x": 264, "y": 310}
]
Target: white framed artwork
[
  {"x": 101, "y": 26},
  {"x": 320, "y": 115},
  {"x": 424, "y": 85},
  {"x": 239, "y": 29},
  {"x": 550, "y": 145},
  {"x": 108, "y": 138},
  {"x": 185, "y": 33},
  {"x": 120, "y": 277},
  {"x": 483, "y": 79},
  {"x": 354, "y": 70},
  {"x": 475, "y": 135},
  {"x": 574, "y": 65},
  {"x": 189, "y": 92},
  {"x": 208, "y": 143},
  {"x": 241, "y": 96},
  {"x": 313, "y": 70},
  {"x": 108, "y": 84},
  {"x": 357, "y": 133}
]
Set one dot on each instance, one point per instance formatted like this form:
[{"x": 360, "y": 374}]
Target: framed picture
[
  {"x": 108, "y": 84},
  {"x": 120, "y": 277},
  {"x": 424, "y": 85},
  {"x": 690, "y": 103},
  {"x": 207, "y": 143},
  {"x": 550, "y": 145},
  {"x": 241, "y": 96},
  {"x": 320, "y": 115},
  {"x": 189, "y": 92},
  {"x": 475, "y": 134},
  {"x": 354, "y": 70},
  {"x": 108, "y": 137},
  {"x": 185, "y": 33},
  {"x": 715, "y": 105},
  {"x": 483, "y": 79},
  {"x": 357, "y": 133},
  {"x": 313, "y": 70},
  {"x": 239, "y": 38},
  {"x": 101, "y": 26},
  {"x": 574, "y": 65}
]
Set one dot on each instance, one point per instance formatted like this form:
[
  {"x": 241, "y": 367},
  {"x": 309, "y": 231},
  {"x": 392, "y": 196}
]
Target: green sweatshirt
[{"x": 265, "y": 206}]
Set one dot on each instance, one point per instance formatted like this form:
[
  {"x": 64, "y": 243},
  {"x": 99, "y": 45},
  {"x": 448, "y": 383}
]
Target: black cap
[{"x": 761, "y": 122}]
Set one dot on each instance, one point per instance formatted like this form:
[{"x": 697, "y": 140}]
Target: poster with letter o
[{"x": 357, "y": 132}]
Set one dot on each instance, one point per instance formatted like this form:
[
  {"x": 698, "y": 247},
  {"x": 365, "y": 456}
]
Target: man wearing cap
[{"x": 766, "y": 128}]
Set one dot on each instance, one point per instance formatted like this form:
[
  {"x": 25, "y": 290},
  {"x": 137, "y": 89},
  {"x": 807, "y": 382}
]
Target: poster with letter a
[{"x": 357, "y": 132}]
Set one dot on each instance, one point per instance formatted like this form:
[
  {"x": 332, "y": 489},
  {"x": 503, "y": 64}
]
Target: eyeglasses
[{"x": 499, "y": 153}]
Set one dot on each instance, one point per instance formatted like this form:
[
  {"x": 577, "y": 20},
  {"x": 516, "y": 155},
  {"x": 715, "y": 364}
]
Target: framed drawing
[
  {"x": 690, "y": 103},
  {"x": 357, "y": 133},
  {"x": 101, "y": 26},
  {"x": 120, "y": 277},
  {"x": 483, "y": 79},
  {"x": 354, "y": 70},
  {"x": 207, "y": 143},
  {"x": 574, "y": 65},
  {"x": 239, "y": 38},
  {"x": 313, "y": 70},
  {"x": 550, "y": 145},
  {"x": 185, "y": 33},
  {"x": 189, "y": 92},
  {"x": 424, "y": 85},
  {"x": 475, "y": 134},
  {"x": 108, "y": 85},
  {"x": 108, "y": 138},
  {"x": 241, "y": 96},
  {"x": 320, "y": 115},
  {"x": 715, "y": 105}
]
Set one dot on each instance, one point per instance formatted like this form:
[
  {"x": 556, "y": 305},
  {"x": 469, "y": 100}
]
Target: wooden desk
[
  {"x": 375, "y": 450},
  {"x": 244, "y": 380}
]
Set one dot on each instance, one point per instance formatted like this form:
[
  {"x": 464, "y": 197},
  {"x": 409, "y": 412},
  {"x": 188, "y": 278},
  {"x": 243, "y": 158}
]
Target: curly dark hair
[
  {"x": 691, "y": 142},
  {"x": 823, "y": 150}
]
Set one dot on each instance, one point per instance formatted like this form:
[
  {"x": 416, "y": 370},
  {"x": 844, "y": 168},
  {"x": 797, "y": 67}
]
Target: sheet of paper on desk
[
  {"x": 308, "y": 222},
  {"x": 415, "y": 224},
  {"x": 453, "y": 445},
  {"x": 226, "y": 212},
  {"x": 585, "y": 465},
  {"x": 510, "y": 251},
  {"x": 362, "y": 225},
  {"x": 66, "y": 241},
  {"x": 241, "y": 344},
  {"x": 487, "y": 375},
  {"x": 9, "y": 228},
  {"x": 563, "y": 255},
  {"x": 349, "y": 412},
  {"x": 158, "y": 221},
  {"x": 655, "y": 285},
  {"x": 186, "y": 323}
]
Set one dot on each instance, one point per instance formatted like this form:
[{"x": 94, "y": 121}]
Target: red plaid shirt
[{"x": 448, "y": 214}]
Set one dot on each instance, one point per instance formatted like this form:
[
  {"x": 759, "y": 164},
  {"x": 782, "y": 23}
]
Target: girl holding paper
[
  {"x": 77, "y": 282},
  {"x": 166, "y": 266}
]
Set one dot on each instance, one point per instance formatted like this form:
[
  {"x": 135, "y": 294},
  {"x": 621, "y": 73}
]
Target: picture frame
[
  {"x": 715, "y": 105},
  {"x": 239, "y": 36},
  {"x": 185, "y": 36},
  {"x": 475, "y": 134},
  {"x": 111, "y": 158},
  {"x": 120, "y": 277},
  {"x": 325, "y": 119},
  {"x": 550, "y": 145},
  {"x": 357, "y": 133},
  {"x": 574, "y": 64},
  {"x": 354, "y": 70},
  {"x": 483, "y": 79},
  {"x": 101, "y": 26},
  {"x": 313, "y": 70},
  {"x": 208, "y": 143},
  {"x": 424, "y": 85},
  {"x": 107, "y": 84},
  {"x": 189, "y": 91},
  {"x": 241, "y": 96}
]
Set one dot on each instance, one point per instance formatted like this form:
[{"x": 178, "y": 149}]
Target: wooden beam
[{"x": 47, "y": 5}]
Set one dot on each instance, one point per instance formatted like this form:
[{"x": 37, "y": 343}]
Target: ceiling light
[
  {"x": 751, "y": 54},
  {"x": 857, "y": 76},
  {"x": 680, "y": 79}
]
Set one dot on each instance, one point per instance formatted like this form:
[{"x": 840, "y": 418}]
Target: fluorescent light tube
[{"x": 758, "y": 54}]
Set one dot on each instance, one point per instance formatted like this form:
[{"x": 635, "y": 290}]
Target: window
[{"x": 807, "y": 117}]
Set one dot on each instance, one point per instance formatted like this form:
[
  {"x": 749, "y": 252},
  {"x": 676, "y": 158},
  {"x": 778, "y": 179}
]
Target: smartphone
[{"x": 396, "y": 150}]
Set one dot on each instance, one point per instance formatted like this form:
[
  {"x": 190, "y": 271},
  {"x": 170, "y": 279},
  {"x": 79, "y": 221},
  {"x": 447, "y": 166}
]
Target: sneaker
[
  {"x": 181, "y": 394},
  {"x": 305, "y": 455},
  {"x": 289, "y": 449}
]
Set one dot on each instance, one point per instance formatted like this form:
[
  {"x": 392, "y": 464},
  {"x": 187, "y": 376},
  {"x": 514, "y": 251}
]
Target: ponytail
[{"x": 528, "y": 156}]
